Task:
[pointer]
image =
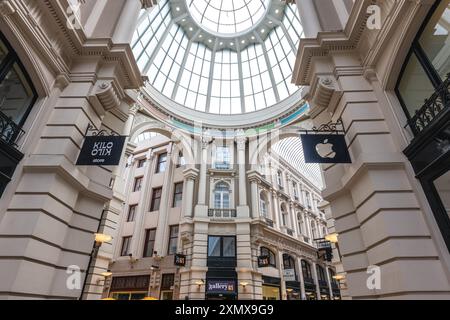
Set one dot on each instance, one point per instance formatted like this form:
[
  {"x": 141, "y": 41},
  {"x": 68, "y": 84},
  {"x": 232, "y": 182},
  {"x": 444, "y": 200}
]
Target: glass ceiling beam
[
  {"x": 241, "y": 78},
  {"x": 160, "y": 43},
  {"x": 211, "y": 75},
  {"x": 266, "y": 57},
  {"x": 183, "y": 64},
  {"x": 288, "y": 36}
]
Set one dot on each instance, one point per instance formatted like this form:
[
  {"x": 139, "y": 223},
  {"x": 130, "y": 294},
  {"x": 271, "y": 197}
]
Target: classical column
[
  {"x": 316, "y": 280},
  {"x": 162, "y": 230},
  {"x": 281, "y": 270},
  {"x": 241, "y": 141},
  {"x": 300, "y": 278},
  {"x": 128, "y": 20},
  {"x": 310, "y": 20},
  {"x": 203, "y": 169},
  {"x": 190, "y": 175},
  {"x": 327, "y": 271},
  {"x": 276, "y": 209},
  {"x": 144, "y": 201}
]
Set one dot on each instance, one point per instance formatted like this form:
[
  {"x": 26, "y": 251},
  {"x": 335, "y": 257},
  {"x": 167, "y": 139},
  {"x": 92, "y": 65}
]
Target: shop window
[
  {"x": 167, "y": 284},
  {"x": 289, "y": 263},
  {"x": 306, "y": 270},
  {"x": 128, "y": 295},
  {"x": 17, "y": 97},
  {"x": 269, "y": 253},
  {"x": 426, "y": 70}
]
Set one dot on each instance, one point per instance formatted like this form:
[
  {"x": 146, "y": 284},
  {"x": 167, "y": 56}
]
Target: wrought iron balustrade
[
  {"x": 222, "y": 213},
  {"x": 10, "y": 132},
  {"x": 433, "y": 107},
  {"x": 269, "y": 222}
]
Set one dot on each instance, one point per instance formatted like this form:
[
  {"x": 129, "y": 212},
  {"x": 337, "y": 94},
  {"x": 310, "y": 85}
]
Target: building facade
[
  {"x": 130, "y": 66},
  {"x": 220, "y": 232}
]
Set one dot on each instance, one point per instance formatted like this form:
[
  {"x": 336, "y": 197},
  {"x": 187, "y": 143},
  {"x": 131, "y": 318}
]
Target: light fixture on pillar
[
  {"x": 339, "y": 277},
  {"x": 199, "y": 283},
  {"x": 101, "y": 238},
  {"x": 244, "y": 284},
  {"x": 332, "y": 237}
]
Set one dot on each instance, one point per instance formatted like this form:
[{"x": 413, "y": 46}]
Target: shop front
[
  {"x": 271, "y": 288},
  {"x": 423, "y": 90},
  {"x": 221, "y": 285},
  {"x": 129, "y": 288},
  {"x": 293, "y": 291}
]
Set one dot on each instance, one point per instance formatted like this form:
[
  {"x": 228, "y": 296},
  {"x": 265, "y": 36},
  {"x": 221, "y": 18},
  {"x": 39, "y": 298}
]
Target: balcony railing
[
  {"x": 269, "y": 222},
  {"x": 433, "y": 107},
  {"x": 222, "y": 165},
  {"x": 222, "y": 213},
  {"x": 10, "y": 132}
]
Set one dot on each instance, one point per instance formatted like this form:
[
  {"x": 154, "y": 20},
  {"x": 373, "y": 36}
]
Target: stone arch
[{"x": 182, "y": 141}]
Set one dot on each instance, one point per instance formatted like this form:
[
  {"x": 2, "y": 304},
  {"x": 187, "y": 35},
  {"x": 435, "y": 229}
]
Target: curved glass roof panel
[
  {"x": 227, "y": 16},
  {"x": 291, "y": 150},
  {"x": 216, "y": 75}
]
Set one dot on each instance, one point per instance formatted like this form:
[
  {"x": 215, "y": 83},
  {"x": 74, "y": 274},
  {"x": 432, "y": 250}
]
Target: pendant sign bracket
[
  {"x": 325, "y": 144},
  {"x": 101, "y": 148}
]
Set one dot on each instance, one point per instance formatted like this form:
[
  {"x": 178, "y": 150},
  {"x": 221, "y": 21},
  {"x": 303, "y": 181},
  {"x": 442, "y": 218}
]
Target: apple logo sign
[{"x": 325, "y": 150}]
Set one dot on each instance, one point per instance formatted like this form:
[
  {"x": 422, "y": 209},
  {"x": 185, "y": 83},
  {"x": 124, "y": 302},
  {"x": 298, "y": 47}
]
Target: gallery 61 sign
[
  {"x": 180, "y": 260},
  {"x": 101, "y": 150}
]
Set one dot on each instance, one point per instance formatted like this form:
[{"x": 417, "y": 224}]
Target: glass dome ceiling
[
  {"x": 228, "y": 16},
  {"x": 220, "y": 56}
]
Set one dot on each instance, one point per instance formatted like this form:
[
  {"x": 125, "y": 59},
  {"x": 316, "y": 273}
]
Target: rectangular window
[
  {"x": 162, "y": 163},
  {"x": 294, "y": 186},
  {"x": 156, "y": 199},
  {"x": 280, "y": 179},
  {"x": 131, "y": 213},
  {"x": 173, "y": 240},
  {"x": 149, "y": 246},
  {"x": 138, "y": 184},
  {"x": 222, "y": 246},
  {"x": 141, "y": 163},
  {"x": 178, "y": 195},
  {"x": 125, "y": 250},
  {"x": 223, "y": 158}
]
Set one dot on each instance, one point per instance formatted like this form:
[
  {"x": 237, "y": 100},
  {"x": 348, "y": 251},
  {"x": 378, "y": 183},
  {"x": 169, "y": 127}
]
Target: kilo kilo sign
[{"x": 101, "y": 150}]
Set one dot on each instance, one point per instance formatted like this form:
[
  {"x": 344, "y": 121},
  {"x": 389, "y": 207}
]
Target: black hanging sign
[
  {"x": 325, "y": 145},
  {"x": 180, "y": 260},
  {"x": 101, "y": 149},
  {"x": 263, "y": 261}
]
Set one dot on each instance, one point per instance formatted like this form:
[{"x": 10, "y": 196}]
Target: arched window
[
  {"x": 147, "y": 135},
  {"x": 289, "y": 263},
  {"x": 306, "y": 270},
  {"x": 222, "y": 196},
  {"x": 321, "y": 273},
  {"x": 263, "y": 205},
  {"x": 268, "y": 253}
]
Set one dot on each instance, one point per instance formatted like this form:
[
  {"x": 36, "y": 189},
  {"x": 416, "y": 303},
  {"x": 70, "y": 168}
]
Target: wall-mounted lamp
[
  {"x": 101, "y": 238},
  {"x": 200, "y": 282},
  {"x": 244, "y": 284},
  {"x": 332, "y": 237},
  {"x": 339, "y": 277},
  {"x": 289, "y": 290}
]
